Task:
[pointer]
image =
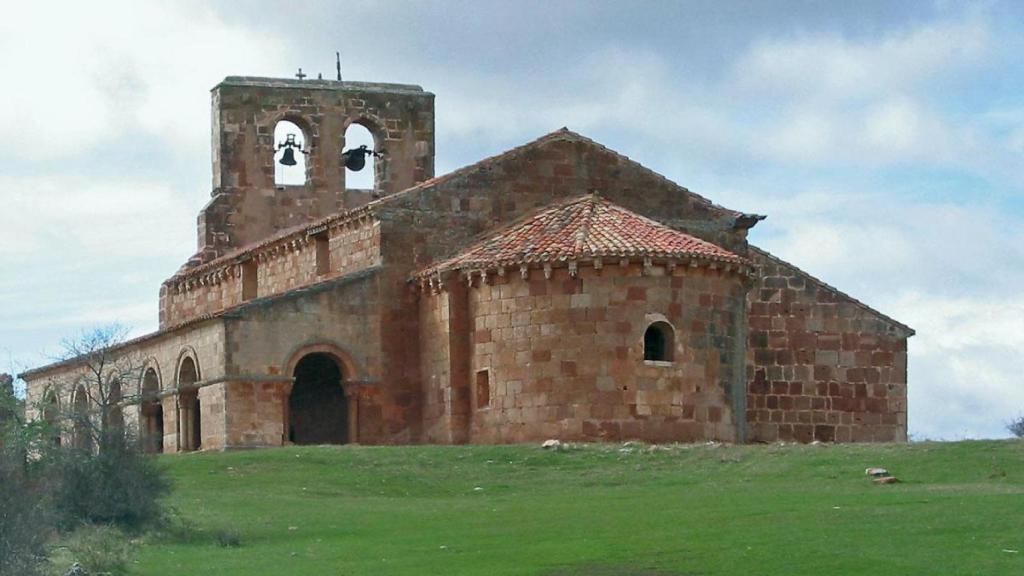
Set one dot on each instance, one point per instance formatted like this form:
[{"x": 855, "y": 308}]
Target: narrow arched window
[
  {"x": 360, "y": 173},
  {"x": 659, "y": 342},
  {"x": 289, "y": 154}
]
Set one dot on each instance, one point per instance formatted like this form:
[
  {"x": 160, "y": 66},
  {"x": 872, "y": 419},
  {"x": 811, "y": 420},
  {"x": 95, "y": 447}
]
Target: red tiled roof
[{"x": 583, "y": 228}]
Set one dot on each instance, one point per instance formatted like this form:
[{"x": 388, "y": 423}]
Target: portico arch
[
  {"x": 323, "y": 403},
  {"x": 189, "y": 411},
  {"x": 152, "y": 411}
]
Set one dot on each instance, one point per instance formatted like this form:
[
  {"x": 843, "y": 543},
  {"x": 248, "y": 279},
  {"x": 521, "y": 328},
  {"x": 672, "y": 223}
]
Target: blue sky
[{"x": 884, "y": 140}]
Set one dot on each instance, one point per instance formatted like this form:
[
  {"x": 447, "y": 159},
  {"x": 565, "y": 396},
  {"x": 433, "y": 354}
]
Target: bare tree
[
  {"x": 104, "y": 379},
  {"x": 1016, "y": 426}
]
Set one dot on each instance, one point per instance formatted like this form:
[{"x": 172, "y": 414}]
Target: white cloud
[
  {"x": 47, "y": 219},
  {"x": 964, "y": 364},
  {"x": 835, "y": 67},
  {"x": 87, "y": 73},
  {"x": 871, "y": 101}
]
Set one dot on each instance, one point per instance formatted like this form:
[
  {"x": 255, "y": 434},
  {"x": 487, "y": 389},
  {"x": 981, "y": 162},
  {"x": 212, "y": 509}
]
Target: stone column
[
  {"x": 185, "y": 423},
  {"x": 171, "y": 436}
]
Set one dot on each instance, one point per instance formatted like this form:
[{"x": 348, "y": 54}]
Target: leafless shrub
[{"x": 1016, "y": 427}]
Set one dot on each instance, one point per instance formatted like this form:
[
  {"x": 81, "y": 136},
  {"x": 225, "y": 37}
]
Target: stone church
[{"x": 556, "y": 290}]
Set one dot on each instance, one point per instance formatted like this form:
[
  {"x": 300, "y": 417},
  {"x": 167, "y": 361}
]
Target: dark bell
[
  {"x": 354, "y": 162},
  {"x": 355, "y": 158},
  {"x": 288, "y": 158}
]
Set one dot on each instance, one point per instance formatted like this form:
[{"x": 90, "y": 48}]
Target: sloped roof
[
  {"x": 230, "y": 312},
  {"x": 741, "y": 219},
  {"x": 585, "y": 227},
  {"x": 747, "y": 220}
]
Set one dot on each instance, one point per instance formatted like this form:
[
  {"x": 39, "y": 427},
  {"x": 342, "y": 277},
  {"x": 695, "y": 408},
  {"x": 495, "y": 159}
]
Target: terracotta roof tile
[{"x": 583, "y": 228}]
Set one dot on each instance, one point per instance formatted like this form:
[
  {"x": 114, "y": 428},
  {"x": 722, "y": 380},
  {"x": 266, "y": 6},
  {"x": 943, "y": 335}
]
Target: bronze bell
[
  {"x": 289, "y": 145},
  {"x": 288, "y": 158},
  {"x": 355, "y": 158}
]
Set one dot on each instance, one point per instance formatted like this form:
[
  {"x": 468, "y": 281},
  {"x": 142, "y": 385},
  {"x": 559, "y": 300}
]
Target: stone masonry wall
[
  {"x": 564, "y": 356},
  {"x": 821, "y": 366},
  {"x": 280, "y": 266},
  {"x": 343, "y": 315},
  {"x": 256, "y": 413},
  {"x": 435, "y": 358}
]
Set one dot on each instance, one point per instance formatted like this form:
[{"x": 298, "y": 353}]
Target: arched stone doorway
[
  {"x": 189, "y": 411},
  {"x": 318, "y": 409},
  {"x": 152, "y": 413}
]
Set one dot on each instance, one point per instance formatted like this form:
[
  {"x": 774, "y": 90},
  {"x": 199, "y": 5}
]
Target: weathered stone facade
[{"x": 623, "y": 306}]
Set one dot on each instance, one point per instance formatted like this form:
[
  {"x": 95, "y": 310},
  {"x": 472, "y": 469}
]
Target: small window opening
[
  {"x": 289, "y": 154},
  {"x": 658, "y": 342},
  {"x": 250, "y": 281},
  {"x": 483, "y": 389},
  {"x": 363, "y": 177},
  {"x": 323, "y": 253}
]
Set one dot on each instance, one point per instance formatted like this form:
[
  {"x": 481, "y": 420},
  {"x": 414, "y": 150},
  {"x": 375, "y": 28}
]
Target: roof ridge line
[{"x": 588, "y": 223}]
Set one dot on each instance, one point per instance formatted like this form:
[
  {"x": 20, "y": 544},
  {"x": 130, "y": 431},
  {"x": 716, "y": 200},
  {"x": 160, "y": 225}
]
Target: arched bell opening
[
  {"x": 290, "y": 151},
  {"x": 361, "y": 158},
  {"x": 152, "y": 429},
  {"x": 318, "y": 408}
]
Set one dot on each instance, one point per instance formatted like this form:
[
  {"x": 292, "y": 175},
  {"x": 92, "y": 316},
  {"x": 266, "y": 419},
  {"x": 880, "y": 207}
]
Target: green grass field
[{"x": 599, "y": 510}]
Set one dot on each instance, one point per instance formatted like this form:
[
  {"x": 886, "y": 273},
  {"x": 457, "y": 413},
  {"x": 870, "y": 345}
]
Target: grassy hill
[{"x": 603, "y": 510}]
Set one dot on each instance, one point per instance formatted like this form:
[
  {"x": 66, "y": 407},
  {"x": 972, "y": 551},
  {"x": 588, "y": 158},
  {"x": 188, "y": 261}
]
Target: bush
[
  {"x": 24, "y": 519},
  {"x": 118, "y": 486},
  {"x": 228, "y": 538},
  {"x": 1016, "y": 427},
  {"x": 100, "y": 550}
]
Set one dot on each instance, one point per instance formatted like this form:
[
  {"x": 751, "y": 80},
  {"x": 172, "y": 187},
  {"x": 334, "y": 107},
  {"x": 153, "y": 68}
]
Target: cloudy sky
[{"x": 884, "y": 140}]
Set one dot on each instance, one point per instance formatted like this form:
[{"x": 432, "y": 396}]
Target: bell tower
[{"x": 247, "y": 204}]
